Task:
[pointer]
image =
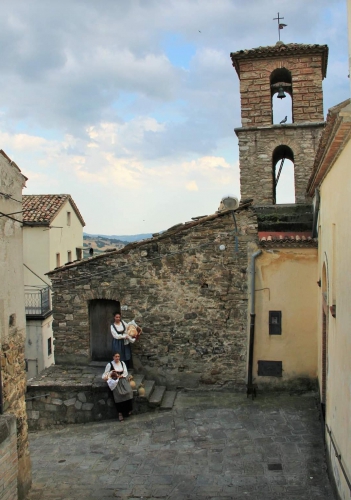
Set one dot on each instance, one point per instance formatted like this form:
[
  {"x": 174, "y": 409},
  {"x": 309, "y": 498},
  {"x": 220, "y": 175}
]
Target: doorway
[{"x": 101, "y": 316}]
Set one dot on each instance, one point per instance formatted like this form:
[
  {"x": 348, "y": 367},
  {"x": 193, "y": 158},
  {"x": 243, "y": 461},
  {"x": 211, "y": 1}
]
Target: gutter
[{"x": 251, "y": 388}]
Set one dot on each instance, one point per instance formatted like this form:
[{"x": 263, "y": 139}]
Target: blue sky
[{"x": 130, "y": 106}]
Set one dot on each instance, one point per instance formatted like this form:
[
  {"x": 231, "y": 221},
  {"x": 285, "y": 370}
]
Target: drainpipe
[
  {"x": 251, "y": 389},
  {"x": 315, "y": 214},
  {"x": 1, "y": 397}
]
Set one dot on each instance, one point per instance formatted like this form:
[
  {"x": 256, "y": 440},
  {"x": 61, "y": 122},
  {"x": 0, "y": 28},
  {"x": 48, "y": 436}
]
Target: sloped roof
[
  {"x": 279, "y": 49},
  {"x": 41, "y": 209},
  {"x": 156, "y": 237},
  {"x": 336, "y": 133}
]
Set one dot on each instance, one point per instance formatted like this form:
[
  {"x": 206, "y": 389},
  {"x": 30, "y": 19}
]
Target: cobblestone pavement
[{"x": 214, "y": 446}]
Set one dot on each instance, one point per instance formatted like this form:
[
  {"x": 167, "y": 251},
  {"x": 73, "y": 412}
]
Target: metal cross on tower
[{"x": 280, "y": 25}]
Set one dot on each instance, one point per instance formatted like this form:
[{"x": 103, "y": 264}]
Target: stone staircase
[{"x": 157, "y": 397}]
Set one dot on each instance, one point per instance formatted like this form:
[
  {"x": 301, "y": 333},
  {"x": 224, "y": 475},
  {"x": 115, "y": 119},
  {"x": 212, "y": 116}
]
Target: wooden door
[{"x": 101, "y": 313}]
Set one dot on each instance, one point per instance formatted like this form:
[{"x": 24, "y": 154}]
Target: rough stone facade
[
  {"x": 12, "y": 314},
  {"x": 256, "y": 147},
  {"x": 301, "y": 69},
  {"x": 8, "y": 457},
  {"x": 186, "y": 287}
]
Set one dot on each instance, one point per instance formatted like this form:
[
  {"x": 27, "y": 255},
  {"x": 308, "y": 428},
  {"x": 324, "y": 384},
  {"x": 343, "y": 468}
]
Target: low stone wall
[
  {"x": 63, "y": 395},
  {"x": 8, "y": 457},
  {"x": 51, "y": 406}
]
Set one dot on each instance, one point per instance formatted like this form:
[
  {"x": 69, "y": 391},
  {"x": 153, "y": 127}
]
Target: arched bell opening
[
  {"x": 283, "y": 175},
  {"x": 281, "y": 96}
]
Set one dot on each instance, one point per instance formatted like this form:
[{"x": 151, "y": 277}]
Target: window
[
  {"x": 49, "y": 346},
  {"x": 69, "y": 256},
  {"x": 68, "y": 218},
  {"x": 58, "y": 260},
  {"x": 79, "y": 253},
  {"x": 275, "y": 322}
]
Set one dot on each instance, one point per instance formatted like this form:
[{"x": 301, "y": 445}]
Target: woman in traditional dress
[
  {"x": 116, "y": 375},
  {"x": 121, "y": 340}
]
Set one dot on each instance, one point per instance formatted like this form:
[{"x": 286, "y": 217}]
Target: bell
[{"x": 281, "y": 93}]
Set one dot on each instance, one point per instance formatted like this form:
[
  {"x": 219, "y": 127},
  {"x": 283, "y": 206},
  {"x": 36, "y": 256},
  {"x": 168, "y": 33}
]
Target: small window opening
[
  {"x": 282, "y": 97},
  {"x": 79, "y": 253},
  {"x": 58, "y": 260},
  {"x": 68, "y": 218},
  {"x": 12, "y": 320},
  {"x": 49, "y": 346},
  {"x": 275, "y": 322},
  {"x": 283, "y": 175},
  {"x": 69, "y": 256}
]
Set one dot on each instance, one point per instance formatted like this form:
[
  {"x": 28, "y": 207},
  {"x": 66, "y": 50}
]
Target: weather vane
[{"x": 280, "y": 25}]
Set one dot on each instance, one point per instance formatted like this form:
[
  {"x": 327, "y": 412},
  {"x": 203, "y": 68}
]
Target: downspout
[
  {"x": 1, "y": 397},
  {"x": 251, "y": 389},
  {"x": 315, "y": 214}
]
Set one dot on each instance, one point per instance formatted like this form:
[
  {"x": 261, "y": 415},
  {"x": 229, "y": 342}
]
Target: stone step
[
  {"x": 157, "y": 395},
  {"x": 149, "y": 386},
  {"x": 168, "y": 400}
]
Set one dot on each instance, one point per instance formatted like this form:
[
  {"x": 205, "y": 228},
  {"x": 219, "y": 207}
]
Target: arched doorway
[
  {"x": 283, "y": 175},
  {"x": 101, "y": 315}
]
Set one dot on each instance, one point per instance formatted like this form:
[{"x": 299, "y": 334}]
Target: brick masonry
[
  {"x": 189, "y": 296},
  {"x": 8, "y": 458},
  {"x": 258, "y": 137},
  {"x": 255, "y": 87}
]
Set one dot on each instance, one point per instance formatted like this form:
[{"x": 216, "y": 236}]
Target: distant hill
[
  {"x": 102, "y": 243},
  {"x": 124, "y": 238}
]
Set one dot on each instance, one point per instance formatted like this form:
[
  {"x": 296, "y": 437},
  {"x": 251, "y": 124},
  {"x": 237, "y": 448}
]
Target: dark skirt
[
  {"x": 125, "y": 407},
  {"x": 124, "y": 350}
]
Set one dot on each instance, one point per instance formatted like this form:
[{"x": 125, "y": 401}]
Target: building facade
[
  {"x": 53, "y": 236},
  {"x": 14, "y": 459},
  {"x": 330, "y": 183}
]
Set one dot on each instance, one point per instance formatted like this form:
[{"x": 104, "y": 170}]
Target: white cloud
[{"x": 191, "y": 186}]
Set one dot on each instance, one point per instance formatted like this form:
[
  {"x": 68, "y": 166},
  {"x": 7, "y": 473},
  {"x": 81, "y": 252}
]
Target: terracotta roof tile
[
  {"x": 291, "y": 239},
  {"x": 41, "y": 209},
  {"x": 279, "y": 49}
]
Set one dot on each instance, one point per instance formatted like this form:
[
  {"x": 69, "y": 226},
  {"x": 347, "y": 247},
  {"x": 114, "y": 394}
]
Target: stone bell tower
[{"x": 264, "y": 73}]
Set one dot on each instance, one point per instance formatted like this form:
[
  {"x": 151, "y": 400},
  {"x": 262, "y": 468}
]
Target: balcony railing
[{"x": 37, "y": 301}]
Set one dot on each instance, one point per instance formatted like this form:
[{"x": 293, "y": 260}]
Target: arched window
[
  {"x": 281, "y": 94},
  {"x": 283, "y": 175}
]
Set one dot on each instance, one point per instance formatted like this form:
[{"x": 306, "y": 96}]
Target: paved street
[{"x": 215, "y": 446}]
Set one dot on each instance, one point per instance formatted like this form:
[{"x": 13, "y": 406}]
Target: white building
[{"x": 52, "y": 236}]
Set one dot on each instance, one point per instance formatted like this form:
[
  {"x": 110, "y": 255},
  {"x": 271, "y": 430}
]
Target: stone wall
[
  {"x": 8, "y": 458},
  {"x": 68, "y": 405},
  {"x": 12, "y": 314},
  {"x": 189, "y": 296},
  {"x": 255, "y": 89},
  {"x": 256, "y": 147}
]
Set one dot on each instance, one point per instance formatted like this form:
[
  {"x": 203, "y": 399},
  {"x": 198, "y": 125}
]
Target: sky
[{"x": 130, "y": 106}]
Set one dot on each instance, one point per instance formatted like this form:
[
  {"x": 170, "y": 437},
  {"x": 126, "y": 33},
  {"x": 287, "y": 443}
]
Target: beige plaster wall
[
  {"x": 66, "y": 239},
  {"x": 12, "y": 315},
  {"x": 37, "y": 334},
  {"x": 335, "y": 245},
  {"x": 41, "y": 245},
  {"x": 288, "y": 277}
]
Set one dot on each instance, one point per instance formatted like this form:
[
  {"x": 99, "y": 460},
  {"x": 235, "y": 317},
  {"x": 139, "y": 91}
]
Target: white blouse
[
  {"x": 118, "y": 367},
  {"x": 120, "y": 334}
]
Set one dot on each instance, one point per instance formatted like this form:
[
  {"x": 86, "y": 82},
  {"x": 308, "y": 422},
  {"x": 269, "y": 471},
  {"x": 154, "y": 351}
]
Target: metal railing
[{"x": 37, "y": 301}]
